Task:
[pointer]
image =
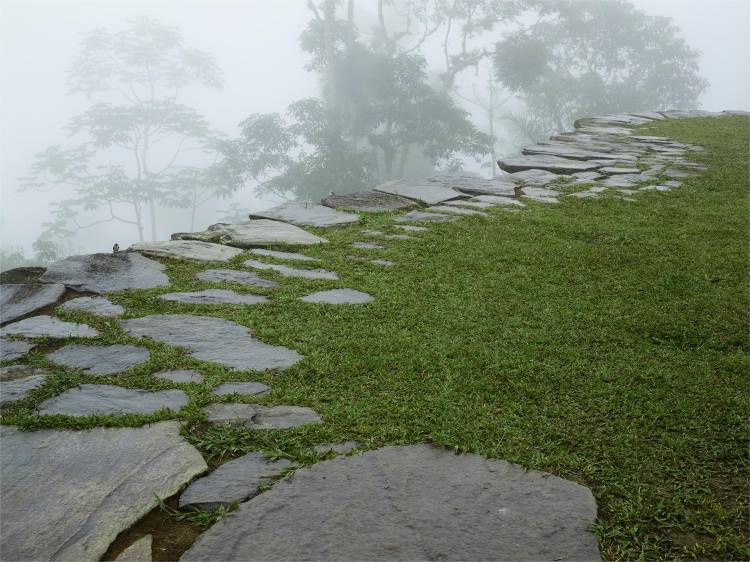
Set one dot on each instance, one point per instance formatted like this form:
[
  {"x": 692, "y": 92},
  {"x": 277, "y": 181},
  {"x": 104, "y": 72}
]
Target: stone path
[
  {"x": 247, "y": 388},
  {"x": 16, "y": 301},
  {"x": 100, "y": 359},
  {"x": 187, "y": 249},
  {"x": 14, "y": 349},
  {"x": 248, "y": 278},
  {"x": 368, "y": 202},
  {"x": 16, "y": 381},
  {"x": 180, "y": 376},
  {"x": 282, "y": 255},
  {"x": 213, "y": 296},
  {"x": 48, "y": 327},
  {"x": 261, "y": 232},
  {"x": 424, "y": 192},
  {"x": 287, "y": 271},
  {"x": 338, "y": 296},
  {"x": 261, "y": 417},
  {"x": 303, "y": 214},
  {"x": 98, "y": 306},
  {"x": 90, "y": 399}
]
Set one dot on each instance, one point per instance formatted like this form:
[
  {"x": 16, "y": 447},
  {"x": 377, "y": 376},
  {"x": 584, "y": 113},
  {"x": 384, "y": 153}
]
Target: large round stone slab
[
  {"x": 236, "y": 480},
  {"x": 48, "y": 327},
  {"x": 100, "y": 359},
  {"x": 248, "y": 234},
  {"x": 304, "y": 214},
  {"x": 14, "y": 349},
  {"x": 409, "y": 503},
  {"x": 261, "y": 417},
  {"x": 214, "y": 296},
  {"x": 17, "y": 381},
  {"x": 287, "y": 271},
  {"x": 90, "y": 399},
  {"x": 213, "y": 339},
  {"x": 370, "y": 201},
  {"x": 247, "y": 278},
  {"x": 98, "y": 306},
  {"x": 103, "y": 273},
  {"x": 22, "y": 299},
  {"x": 66, "y": 495},
  {"x": 338, "y": 296},
  {"x": 186, "y": 249}
]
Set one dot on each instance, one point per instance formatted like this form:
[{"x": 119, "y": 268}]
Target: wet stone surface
[
  {"x": 368, "y": 201},
  {"x": 100, "y": 359},
  {"x": 282, "y": 255},
  {"x": 98, "y": 306},
  {"x": 16, "y": 381},
  {"x": 247, "y": 278},
  {"x": 14, "y": 349},
  {"x": 430, "y": 193},
  {"x": 338, "y": 296},
  {"x": 287, "y": 271},
  {"x": 261, "y": 417},
  {"x": 214, "y": 296},
  {"x": 421, "y": 216},
  {"x": 187, "y": 249},
  {"x": 180, "y": 376},
  {"x": 90, "y": 399},
  {"x": 304, "y": 214},
  {"x": 19, "y": 300},
  {"x": 248, "y": 234},
  {"x": 49, "y": 327},
  {"x": 249, "y": 388}
]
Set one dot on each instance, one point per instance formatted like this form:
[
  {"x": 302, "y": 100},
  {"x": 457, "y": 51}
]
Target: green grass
[{"x": 603, "y": 341}]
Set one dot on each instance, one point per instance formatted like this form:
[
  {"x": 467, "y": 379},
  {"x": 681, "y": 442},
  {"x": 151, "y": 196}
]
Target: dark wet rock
[
  {"x": 187, "y": 249},
  {"x": 430, "y": 193},
  {"x": 16, "y": 301},
  {"x": 249, "y": 388},
  {"x": 307, "y": 214},
  {"x": 370, "y": 201},
  {"x": 338, "y": 296},
  {"x": 90, "y": 399},
  {"x": 282, "y": 255},
  {"x": 98, "y": 306},
  {"x": 14, "y": 349},
  {"x": 261, "y": 417},
  {"x": 495, "y": 200},
  {"x": 413, "y": 502},
  {"x": 180, "y": 376},
  {"x": 25, "y": 274},
  {"x": 247, "y": 278},
  {"x": 214, "y": 296},
  {"x": 48, "y": 327},
  {"x": 287, "y": 271},
  {"x": 454, "y": 210},
  {"x": 252, "y": 233},
  {"x": 104, "y": 273},
  {"x": 338, "y": 448},
  {"x": 213, "y": 339},
  {"x": 367, "y": 246},
  {"x": 549, "y": 163},
  {"x": 139, "y": 551},
  {"x": 236, "y": 480},
  {"x": 68, "y": 494},
  {"x": 16, "y": 381},
  {"x": 421, "y": 216},
  {"x": 100, "y": 359}
]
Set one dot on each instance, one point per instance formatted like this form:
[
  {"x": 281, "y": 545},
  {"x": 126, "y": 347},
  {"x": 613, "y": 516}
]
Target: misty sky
[{"x": 256, "y": 44}]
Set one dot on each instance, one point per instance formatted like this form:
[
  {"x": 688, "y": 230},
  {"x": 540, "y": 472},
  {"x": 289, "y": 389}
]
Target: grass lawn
[{"x": 603, "y": 341}]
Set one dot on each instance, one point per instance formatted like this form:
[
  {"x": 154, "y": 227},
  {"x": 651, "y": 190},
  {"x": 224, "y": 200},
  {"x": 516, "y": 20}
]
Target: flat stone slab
[
  {"x": 338, "y": 448},
  {"x": 90, "y": 399},
  {"x": 421, "y": 216},
  {"x": 549, "y": 163},
  {"x": 139, "y": 551},
  {"x": 454, "y": 210},
  {"x": 187, "y": 249},
  {"x": 252, "y": 233},
  {"x": 16, "y": 381},
  {"x": 370, "y": 201},
  {"x": 282, "y": 255},
  {"x": 338, "y": 296},
  {"x": 540, "y": 192},
  {"x": 250, "y": 388},
  {"x": 495, "y": 200},
  {"x": 236, "y": 480},
  {"x": 100, "y": 359},
  {"x": 247, "y": 278},
  {"x": 470, "y": 204},
  {"x": 104, "y": 273},
  {"x": 180, "y": 376},
  {"x": 287, "y": 271},
  {"x": 414, "y": 502},
  {"x": 68, "y": 494},
  {"x": 411, "y": 228},
  {"x": 302, "y": 214},
  {"x": 430, "y": 193},
  {"x": 213, "y": 339},
  {"x": 98, "y": 306},
  {"x": 477, "y": 186},
  {"x": 48, "y": 327},
  {"x": 590, "y": 176},
  {"x": 612, "y": 170},
  {"x": 19, "y": 300},
  {"x": 367, "y": 246},
  {"x": 539, "y": 199},
  {"x": 213, "y": 296},
  {"x": 534, "y": 177},
  {"x": 14, "y": 349},
  {"x": 262, "y": 417},
  {"x": 385, "y": 263}
]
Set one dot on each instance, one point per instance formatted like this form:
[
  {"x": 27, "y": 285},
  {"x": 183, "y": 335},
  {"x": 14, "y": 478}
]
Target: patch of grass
[
  {"x": 198, "y": 516},
  {"x": 603, "y": 341}
]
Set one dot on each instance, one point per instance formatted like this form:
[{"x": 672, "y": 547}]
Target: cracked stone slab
[
  {"x": 369, "y": 201},
  {"x": 248, "y": 234},
  {"x": 236, "y": 480},
  {"x": 250, "y": 388},
  {"x": 180, "y": 376},
  {"x": 105, "y": 273},
  {"x": 287, "y": 271},
  {"x": 420, "y": 216},
  {"x": 430, "y": 193},
  {"x": 139, "y": 551},
  {"x": 21, "y": 299},
  {"x": 247, "y": 278},
  {"x": 550, "y": 163},
  {"x": 591, "y": 176},
  {"x": 48, "y": 327},
  {"x": 187, "y": 249},
  {"x": 16, "y": 381},
  {"x": 367, "y": 246},
  {"x": 90, "y": 399},
  {"x": 262, "y": 417},
  {"x": 454, "y": 210},
  {"x": 97, "y": 306},
  {"x": 282, "y": 255},
  {"x": 11, "y": 350},
  {"x": 414, "y": 502},
  {"x": 214, "y": 296},
  {"x": 338, "y": 296},
  {"x": 68, "y": 494},
  {"x": 228, "y": 344},
  {"x": 496, "y": 200},
  {"x": 100, "y": 359},
  {"x": 307, "y": 214}
]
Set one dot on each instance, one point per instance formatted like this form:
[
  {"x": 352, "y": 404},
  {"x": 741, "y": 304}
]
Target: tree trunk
[{"x": 138, "y": 219}]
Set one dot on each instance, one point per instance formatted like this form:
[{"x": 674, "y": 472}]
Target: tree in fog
[{"x": 130, "y": 158}]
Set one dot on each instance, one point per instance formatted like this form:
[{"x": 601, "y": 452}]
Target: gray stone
[
  {"x": 24, "y": 274},
  {"x": 673, "y": 183},
  {"x": 613, "y": 170},
  {"x": 338, "y": 296},
  {"x": 367, "y": 246},
  {"x": 180, "y": 376},
  {"x": 540, "y": 192},
  {"x": 187, "y": 249},
  {"x": 625, "y": 180},
  {"x": 480, "y": 186},
  {"x": 236, "y": 480},
  {"x": 100, "y": 359},
  {"x": 68, "y": 494},
  {"x": 214, "y": 296},
  {"x": 587, "y": 175},
  {"x": 494, "y": 200},
  {"x": 19, "y": 300},
  {"x": 248, "y": 234},
  {"x": 454, "y": 210},
  {"x": 287, "y": 271},
  {"x": 282, "y": 255},
  {"x": 674, "y": 173},
  {"x": 13, "y": 349},
  {"x": 385, "y": 263},
  {"x": 564, "y": 151},
  {"x": 414, "y": 502},
  {"x": 534, "y": 177},
  {"x": 261, "y": 417},
  {"x": 98, "y": 306},
  {"x": 104, "y": 273},
  {"x": 370, "y": 201},
  {"x": 410, "y": 228},
  {"x": 338, "y": 448},
  {"x": 307, "y": 214},
  {"x": 420, "y": 216},
  {"x": 91, "y": 399},
  {"x": 248, "y": 278},
  {"x": 213, "y": 339},
  {"x": 48, "y": 327},
  {"x": 550, "y": 163},
  {"x": 16, "y": 381},
  {"x": 139, "y": 551},
  {"x": 470, "y": 204},
  {"x": 538, "y": 199},
  {"x": 648, "y": 115},
  {"x": 585, "y": 195},
  {"x": 249, "y": 388},
  {"x": 426, "y": 192}
]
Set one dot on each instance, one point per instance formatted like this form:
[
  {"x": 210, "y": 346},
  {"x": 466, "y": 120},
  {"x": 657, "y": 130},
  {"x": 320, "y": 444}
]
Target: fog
[{"x": 256, "y": 43}]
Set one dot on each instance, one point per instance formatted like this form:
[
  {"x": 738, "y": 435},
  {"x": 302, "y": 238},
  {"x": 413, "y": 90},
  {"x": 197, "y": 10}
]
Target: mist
[{"x": 266, "y": 69}]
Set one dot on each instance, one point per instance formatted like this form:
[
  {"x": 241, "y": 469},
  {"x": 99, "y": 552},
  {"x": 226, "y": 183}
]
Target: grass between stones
[{"x": 603, "y": 341}]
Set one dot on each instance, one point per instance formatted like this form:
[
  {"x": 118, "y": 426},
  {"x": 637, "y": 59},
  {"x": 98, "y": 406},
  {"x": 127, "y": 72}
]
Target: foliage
[{"x": 198, "y": 516}]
